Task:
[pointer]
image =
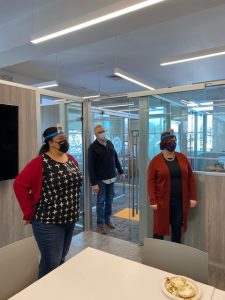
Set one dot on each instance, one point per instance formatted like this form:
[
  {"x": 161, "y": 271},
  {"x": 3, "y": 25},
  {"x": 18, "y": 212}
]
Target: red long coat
[{"x": 159, "y": 191}]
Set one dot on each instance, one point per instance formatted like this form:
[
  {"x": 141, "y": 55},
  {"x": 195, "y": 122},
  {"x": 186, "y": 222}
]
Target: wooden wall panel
[
  {"x": 215, "y": 218},
  {"x": 11, "y": 224},
  {"x": 206, "y": 223},
  {"x": 195, "y": 235}
]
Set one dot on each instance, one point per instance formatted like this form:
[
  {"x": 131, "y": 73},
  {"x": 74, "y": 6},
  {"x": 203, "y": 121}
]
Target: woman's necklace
[
  {"x": 168, "y": 158},
  {"x": 59, "y": 158},
  {"x": 70, "y": 168}
]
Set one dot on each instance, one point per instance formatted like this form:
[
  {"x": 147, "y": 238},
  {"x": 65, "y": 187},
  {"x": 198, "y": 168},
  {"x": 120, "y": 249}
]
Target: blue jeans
[
  {"x": 53, "y": 242},
  {"x": 104, "y": 202}
]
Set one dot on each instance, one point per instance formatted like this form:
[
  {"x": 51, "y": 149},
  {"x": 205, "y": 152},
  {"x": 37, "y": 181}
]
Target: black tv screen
[{"x": 8, "y": 141}]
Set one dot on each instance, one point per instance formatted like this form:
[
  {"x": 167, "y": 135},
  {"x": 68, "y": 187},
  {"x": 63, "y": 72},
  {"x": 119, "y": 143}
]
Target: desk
[
  {"x": 96, "y": 275},
  {"x": 218, "y": 295},
  {"x": 214, "y": 168}
]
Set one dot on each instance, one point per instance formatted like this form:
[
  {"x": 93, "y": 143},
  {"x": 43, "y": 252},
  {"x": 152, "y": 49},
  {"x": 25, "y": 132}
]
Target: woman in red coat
[{"x": 171, "y": 189}]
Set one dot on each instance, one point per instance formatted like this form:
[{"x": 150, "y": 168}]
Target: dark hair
[
  {"x": 165, "y": 140},
  {"x": 45, "y": 146}
]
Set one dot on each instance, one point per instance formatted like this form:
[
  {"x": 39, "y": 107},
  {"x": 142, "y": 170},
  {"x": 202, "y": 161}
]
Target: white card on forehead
[{"x": 59, "y": 127}]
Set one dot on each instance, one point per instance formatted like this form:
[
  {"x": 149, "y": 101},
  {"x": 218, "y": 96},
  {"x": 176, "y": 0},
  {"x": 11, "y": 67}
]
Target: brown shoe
[
  {"x": 100, "y": 229},
  {"x": 110, "y": 225}
]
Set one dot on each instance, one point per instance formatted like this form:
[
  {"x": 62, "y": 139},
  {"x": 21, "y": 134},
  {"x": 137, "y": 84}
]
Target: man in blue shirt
[{"x": 102, "y": 164}]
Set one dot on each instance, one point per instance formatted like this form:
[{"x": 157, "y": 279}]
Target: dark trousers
[
  {"x": 176, "y": 220},
  {"x": 53, "y": 242}
]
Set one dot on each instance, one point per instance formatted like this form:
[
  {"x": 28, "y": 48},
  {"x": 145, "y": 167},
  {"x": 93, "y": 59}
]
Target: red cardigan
[
  {"x": 159, "y": 191},
  {"x": 28, "y": 184}
]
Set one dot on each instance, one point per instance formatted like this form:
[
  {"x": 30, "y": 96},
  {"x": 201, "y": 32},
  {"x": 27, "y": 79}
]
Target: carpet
[{"x": 126, "y": 213}]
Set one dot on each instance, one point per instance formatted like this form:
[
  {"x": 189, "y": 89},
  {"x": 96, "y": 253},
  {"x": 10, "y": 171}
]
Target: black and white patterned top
[{"x": 60, "y": 195}]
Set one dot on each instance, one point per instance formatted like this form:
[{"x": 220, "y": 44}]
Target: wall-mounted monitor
[{"x": 8, "y": 141}]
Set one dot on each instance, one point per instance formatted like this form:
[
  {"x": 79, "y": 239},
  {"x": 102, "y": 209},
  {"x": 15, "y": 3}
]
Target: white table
[
  {"x": 218, "y": 295},
  {"x": 96, "y": 275}
]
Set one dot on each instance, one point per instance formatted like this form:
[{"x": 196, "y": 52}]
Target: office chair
[
  {"x": 18, "y": 266},
  {"x": 176, "y": 258}
]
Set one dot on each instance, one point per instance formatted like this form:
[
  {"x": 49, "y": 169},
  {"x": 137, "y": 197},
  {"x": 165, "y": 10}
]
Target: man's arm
[
  {"x": 118, "y": 165},
  {"x": 91, "y": 166}
]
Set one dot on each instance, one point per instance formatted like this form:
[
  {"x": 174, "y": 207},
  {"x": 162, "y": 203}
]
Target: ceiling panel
[{"x": 84, "y": 61}]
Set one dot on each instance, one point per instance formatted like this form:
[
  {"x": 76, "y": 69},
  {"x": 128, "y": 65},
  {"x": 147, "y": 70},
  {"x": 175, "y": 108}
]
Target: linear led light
[
  {"x": 92, "y": 96},
  {"x": 192, "y": 104},
  {"x": 189, "y": 103},
  {"x": 131, "y": 78},
  {"x": 156, "y": 112},
  {"x": 47, "y": 84},
  {"x": 206, "y": 103},
  {"x": 119, "y": 105},
  {"x": 205, "y": 108},
  {"x": 98, "y": 20},
  {"x": 195, "y": 56},
  {"x": 132, "y": 109},
  {"x": 184, "y": 102},
  {"x": 61, "y": 100}
]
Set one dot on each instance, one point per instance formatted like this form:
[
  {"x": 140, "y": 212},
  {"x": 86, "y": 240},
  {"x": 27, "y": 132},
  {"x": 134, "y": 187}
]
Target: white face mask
[{"x": 101, "y": 136}]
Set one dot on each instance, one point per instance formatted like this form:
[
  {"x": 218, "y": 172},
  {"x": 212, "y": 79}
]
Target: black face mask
[
  {"x": 64, "y": 146},
  {"x": 171, "y": 146}
]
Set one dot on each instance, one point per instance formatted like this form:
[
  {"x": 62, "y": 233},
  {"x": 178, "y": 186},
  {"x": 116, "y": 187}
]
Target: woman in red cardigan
[
  {"x": 171, "y": 189},
  {"x": 48, "y": 191}
]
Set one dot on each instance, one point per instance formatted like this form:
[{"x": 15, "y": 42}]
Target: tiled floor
[
  {"x": 125, "y": 229},
  {"x": 128, "y": 250},
  {"x": 105, "y": 243}
]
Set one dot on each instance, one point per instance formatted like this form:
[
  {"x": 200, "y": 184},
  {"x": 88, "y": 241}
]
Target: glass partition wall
[
  {"x": 198, "y": 119},
  {"x": 197, "y": 116},
  {"x": 134, "y": 124}
]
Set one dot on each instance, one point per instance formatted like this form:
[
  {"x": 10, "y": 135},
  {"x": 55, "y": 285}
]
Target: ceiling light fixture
[
  {"x": 195, "y": 56},
  {"x": 189, "y": 103},
  {"x": 184, "y": 102},
  {"x": 156, "y": 112},
  {"x": 119, "y": 105},
  {"x": 192, "y": 104},
  {"x": 92, "y": 96},
  {"x": 132, "y": 109},
  {"x": 131, "y": 78},
  {"x": 205, "y": 108},
  {"x": 61, "y": 100},
  {"x": 98, "y": 20},
  {"x": 47, "y": 84},
  {"x": 206, "y": 103}
]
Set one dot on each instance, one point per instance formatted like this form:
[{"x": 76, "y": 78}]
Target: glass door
[
  {"x": 121, "y": 130},
  {"x": 133, "y": 179},
  {"x": 74, "y": 129}
]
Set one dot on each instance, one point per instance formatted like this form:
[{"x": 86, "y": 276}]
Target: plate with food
[{"x": 181, "y": 288}]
